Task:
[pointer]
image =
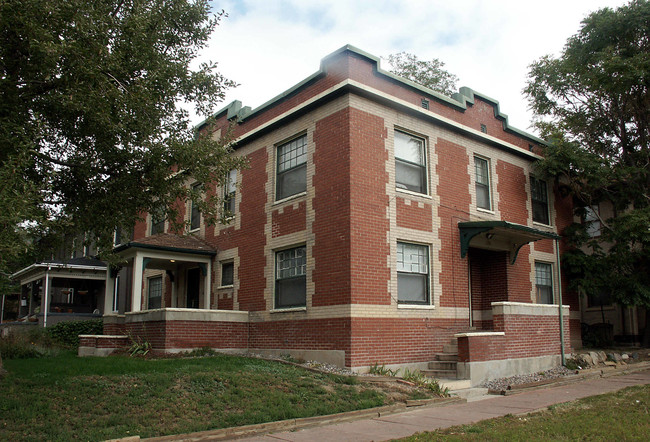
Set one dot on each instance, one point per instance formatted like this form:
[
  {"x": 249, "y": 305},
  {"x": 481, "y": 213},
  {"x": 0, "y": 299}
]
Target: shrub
[
  {"x": 68, "y": 332},
  {"x": 31, "y": 343}
]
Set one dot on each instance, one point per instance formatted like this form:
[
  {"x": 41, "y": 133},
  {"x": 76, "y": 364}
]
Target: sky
[{"x": 267, "y": 46}]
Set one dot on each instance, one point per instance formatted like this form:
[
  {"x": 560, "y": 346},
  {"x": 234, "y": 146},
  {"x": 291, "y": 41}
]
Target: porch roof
[
  {"x": 499, "y": 236},
  {"x": 169, "y": 242}
]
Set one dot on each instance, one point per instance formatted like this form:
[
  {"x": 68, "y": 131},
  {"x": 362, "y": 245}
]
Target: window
[
  {"x": 599, "y": 298},
  {"x": 290, "y": 278},
  {"x": 544, "y": 282},
  {"x": 483, "y": 128},
  {"x": 227, "y": 274},
  {"x": 482, "y": 168},
  {"x": 157, "y": 221},
  {"x": 122, "y": 236},
  {"x": 412, "y": 273},
  {"x": 229, "y": 192},
  {"x": 116, "y": 291},
  {"x": 539, "y": 197},
  {"x": 410, "y": 163},
  {"x": 155, "y": 292},
  {"x": 292, "y": 168},
  {"x": 195, "y": 213},
  {"x": 592, "y": 221}
]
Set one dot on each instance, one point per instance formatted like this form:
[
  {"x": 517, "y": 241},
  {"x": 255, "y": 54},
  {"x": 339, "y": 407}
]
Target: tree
[
  {"x": 91, "y": 117},
  {"x": 427, "y": 73},
  {"x": 593, "y": 102}
]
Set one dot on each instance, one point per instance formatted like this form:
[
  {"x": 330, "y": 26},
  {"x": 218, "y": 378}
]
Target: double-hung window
[
  {"x": 410, "y": 163},
  {"x": 155, "y": 292},
  {"x": 291, "y": 168},
  {"x": 592, "y": 221},
  {"x": 291, "y": 278},
  {"x": 412, "y": 273},
  {"x": 482, "y": 169},
  {"x": 227, "y": 274},
  {"x": 195, "y": 213},
  {"x": 229, "y": 193},
  {"x": 544, "y": 282},
  {"x": 539, "y": 199}
]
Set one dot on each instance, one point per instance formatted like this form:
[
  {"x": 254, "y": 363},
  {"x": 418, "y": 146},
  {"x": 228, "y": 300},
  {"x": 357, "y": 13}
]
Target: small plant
[
  {"x": 139, "y": 347},
  {"x": 31, "y": 343},
  {"x": 419, "y": 379},
  {"x": 201, "y": 352},
  {"x": 382, "y": 370},
  {"x": 571, "y": 364},
  {"x": 68, "y": 332}
]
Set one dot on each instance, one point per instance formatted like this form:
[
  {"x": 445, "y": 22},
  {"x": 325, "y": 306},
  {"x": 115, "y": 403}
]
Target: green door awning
[{"x": 499, "y": 236}]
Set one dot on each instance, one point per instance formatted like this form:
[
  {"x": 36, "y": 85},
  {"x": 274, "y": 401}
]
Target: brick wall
[
  {"x": 169, "y": 334},
  {"x": 412, "y": 215},
  {"x": 289, "y": 219}
]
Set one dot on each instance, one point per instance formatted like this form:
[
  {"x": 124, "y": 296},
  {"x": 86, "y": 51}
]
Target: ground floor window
[
  {"x": 412, "y": 273},
  {"x": 291, "y": 278},
  {"x": 227, "y": 274},
  {"x": 155, "y": 292},
  {"x": 544, "y": 282}
]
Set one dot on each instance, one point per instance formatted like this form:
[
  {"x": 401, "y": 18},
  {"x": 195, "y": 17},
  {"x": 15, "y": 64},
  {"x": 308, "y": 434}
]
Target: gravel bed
[{"x": 504, "y": 383}]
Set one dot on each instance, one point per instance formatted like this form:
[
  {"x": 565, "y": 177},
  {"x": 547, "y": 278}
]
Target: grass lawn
[
  {"x": 66, "y": 397},
  {"x": 624, "y": 415}
]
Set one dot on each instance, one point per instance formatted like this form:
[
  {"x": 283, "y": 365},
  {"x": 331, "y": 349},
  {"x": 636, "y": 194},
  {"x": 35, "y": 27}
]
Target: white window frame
[
  {"x": 542, "y": 278},
  {"x": 221, "y": 284},
  {"x": 401, "y": 162},
  {"x": 280, "y": 275},
  {"x": 230, "y": 194},
  {"x": 194, "y": 211},
  {"x": 406, "y": 268},
  {"x": 282, "y": 160},
  {"x": 483, "y": 185}
]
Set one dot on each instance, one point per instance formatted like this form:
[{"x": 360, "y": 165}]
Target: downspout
[
  {"x": 559, "y": 296},
  {"x": 47, "y": 292}
]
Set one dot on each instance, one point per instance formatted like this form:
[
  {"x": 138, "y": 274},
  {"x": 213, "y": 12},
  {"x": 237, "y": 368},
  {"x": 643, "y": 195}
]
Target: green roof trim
[
  {"x": 500, "y": 236},
  {"x": 137, "y": 245}
]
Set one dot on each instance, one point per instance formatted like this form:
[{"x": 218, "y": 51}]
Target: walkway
[{"x": 429, "y": 419}]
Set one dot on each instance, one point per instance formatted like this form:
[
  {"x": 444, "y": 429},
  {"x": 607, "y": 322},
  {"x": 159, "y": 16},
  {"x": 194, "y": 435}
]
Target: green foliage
[
  {"x": 34, "y": 342},
  {"x": 67, "y": 332},
  {"x": 593, "y": 103},
  {"x": 429, "y": 74},
  {"x": 571, "y": 364},
  {"x": 382, "y": 370},
  {"x": 419, "y": 379},
  {"x": 92, "y": 119},
  {"x": 139, "y": 347}
]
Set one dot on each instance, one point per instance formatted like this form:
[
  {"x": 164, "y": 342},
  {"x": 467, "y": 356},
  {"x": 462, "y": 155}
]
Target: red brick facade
[{"x": 351, "y": 216}]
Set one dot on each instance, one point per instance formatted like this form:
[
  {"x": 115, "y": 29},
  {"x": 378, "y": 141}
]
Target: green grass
[
  {"x": 66, "y": 397},
  {"x": 624, "y": 415}
]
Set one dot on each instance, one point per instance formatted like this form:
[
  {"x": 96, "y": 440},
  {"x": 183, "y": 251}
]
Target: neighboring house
[
  {"x": 69, "y": 286},
  {"x": 604, "y": 321},
  {"x": 378, "y": 222}
]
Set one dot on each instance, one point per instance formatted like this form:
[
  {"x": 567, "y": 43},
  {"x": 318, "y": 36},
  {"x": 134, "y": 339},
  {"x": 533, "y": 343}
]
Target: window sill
[
  {"x": 482, "y": 210},
  {"x": 198, "y": 229},
  {"x": 224, "y": 287},
  {"x": 538, "y": 224},
  {"x": 289, "y": 198},
  {"x": 416, "y": 306},
  {"x": 290, "y": 309},
  {"x": 410, "y": 192}
]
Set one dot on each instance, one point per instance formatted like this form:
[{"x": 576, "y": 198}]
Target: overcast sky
[{"x": 267, "y": 46}]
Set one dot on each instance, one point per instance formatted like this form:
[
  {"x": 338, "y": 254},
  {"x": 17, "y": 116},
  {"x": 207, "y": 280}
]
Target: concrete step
[
  {"x": 440, "y": 374},
  {"x": 455, "y": 384},
  {"x": 452, "y": 357},
  {"x": 442, "y": 365},
  {"x": 450, "y": 348},
  {"x": 471, "y": 394}
]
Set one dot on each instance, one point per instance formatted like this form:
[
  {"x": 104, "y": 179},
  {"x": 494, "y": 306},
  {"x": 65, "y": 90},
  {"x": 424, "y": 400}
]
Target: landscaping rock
[
  {"x": 585, "y": 360},
  {"x": 595, "y": 357},
  {"x": 635, "y": 355},
  {"x": 602, "y": 356},
  {"x": 625, "y": 356}
]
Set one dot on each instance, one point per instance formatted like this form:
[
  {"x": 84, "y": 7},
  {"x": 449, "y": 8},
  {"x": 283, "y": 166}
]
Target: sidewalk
[{"x": 429, "y": 419}]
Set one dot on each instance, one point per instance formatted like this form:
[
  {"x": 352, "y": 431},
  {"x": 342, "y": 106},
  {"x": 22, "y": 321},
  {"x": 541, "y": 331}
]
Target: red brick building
[{"x": 378, "y": 222}]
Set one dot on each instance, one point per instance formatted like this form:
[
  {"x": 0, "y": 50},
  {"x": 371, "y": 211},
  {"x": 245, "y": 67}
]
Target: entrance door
[{"x": 193, "y": 284}]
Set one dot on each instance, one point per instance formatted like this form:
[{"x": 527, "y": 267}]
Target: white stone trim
[
  {"x": 524, "y": 308},
  {"x": 187, "y": 314},
  {"x": 470, "y": 334}
]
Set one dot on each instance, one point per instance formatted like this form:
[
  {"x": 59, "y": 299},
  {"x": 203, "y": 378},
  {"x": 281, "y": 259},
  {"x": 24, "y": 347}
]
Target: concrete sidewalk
[{"x": 429, "y": 419}]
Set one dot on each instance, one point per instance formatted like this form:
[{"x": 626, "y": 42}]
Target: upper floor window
[
  {"x": 195, "y": 213},
  {"x": 482, "y": 169},
  {"x": 412, "y": 273},
  {"x": 592, "y": 221},
  {"x": 229, "y": 193},
  {"x": 157, "y": 221},
  {"x": 539, "y": 198},
  {"x": 291, "y": 168},
  {"x": 291, "y": 278},
  {"x": 544, "y": 282},
  {"x": 410, "y": 163}
]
